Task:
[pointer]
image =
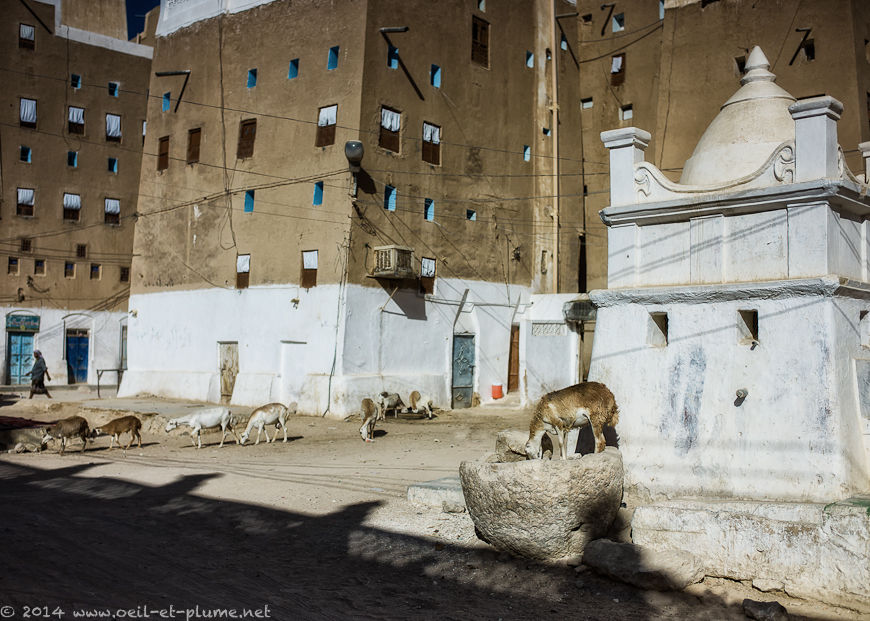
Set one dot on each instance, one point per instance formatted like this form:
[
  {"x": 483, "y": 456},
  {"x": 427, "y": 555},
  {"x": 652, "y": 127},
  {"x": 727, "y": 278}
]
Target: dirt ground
[{"x": 315, "y": 528}]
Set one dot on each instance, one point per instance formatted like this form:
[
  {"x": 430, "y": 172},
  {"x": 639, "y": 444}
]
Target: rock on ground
[
  {"x": 642, "y": 567},
  {"x": 765, "y": 611},
  {"x": 544, "y": 509}
]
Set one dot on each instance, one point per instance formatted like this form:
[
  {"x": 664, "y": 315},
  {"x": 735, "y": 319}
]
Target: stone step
[{"x": 435, "y": 493}]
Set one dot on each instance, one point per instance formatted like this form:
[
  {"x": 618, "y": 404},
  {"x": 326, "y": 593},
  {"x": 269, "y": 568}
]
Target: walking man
[{"x": 39, "y": 370}]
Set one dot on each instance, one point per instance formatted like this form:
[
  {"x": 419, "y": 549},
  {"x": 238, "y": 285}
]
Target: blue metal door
[
  {"x": 77, "y": 356},
  {"x": 20, "y": 357},
  {"x": 463, "y": 370}
]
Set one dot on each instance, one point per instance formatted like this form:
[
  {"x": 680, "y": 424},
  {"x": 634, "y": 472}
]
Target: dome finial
[{"x": 756, "y": 69}]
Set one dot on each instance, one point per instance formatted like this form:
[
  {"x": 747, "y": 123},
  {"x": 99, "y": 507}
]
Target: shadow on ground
[{"x": 76, "y": 541}]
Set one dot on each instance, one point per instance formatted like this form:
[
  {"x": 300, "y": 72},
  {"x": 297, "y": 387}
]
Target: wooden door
[
  {"x": 229, "y": 365},
  {"x": 514, "y": 360}
]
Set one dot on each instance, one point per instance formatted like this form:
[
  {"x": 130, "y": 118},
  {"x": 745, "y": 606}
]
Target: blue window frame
[
  {"x": 113, "y": 165},
  {"x": 114, "y": 88},
  {"x": 527, "y": 153},
  {"x": 392, "y": 57},
  {"x": 24, "y": 153},
  {"x": 530, "y": 60},
  {"x": 166, "y": 101},
  {"x": 249, "y": 201},
  {"x": 470, "y": 214},
  {"x": 75, "y": 80},
  {"x": 252, "y": 78},
  {"x": 318, "y": 194},
  {"x": 293, "y": 71},
  {"x": 390, "y": 198},
  {"x": 428, "y": 209},
  {"x": 72, "y": 158},
  {"x": 332, "y": 60},
  {"x": 435, "y": 76}
]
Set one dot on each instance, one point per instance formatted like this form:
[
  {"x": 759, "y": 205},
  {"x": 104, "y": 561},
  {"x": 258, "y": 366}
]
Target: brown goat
[
  {"x": 118, "y": 426},
  {"x": 371, "y": 413},
  {"x": 72, "y": 427},
  {"x": 564, "y": 412}
]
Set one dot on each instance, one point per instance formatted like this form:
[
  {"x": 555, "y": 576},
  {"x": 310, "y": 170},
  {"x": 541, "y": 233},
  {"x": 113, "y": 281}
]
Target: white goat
[
  {"x": 390, "y": 401},
  {"x": 420, "y": 404},
  {"x": 206, "y": 418},
  {"x": 271, "y": 413}
]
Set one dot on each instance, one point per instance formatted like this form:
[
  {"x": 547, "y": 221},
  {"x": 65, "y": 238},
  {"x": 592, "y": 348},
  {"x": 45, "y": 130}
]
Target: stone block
[
  {"x": 510, "y": 445},
  {"x": 544, "y": 509},
  {"x": 642, "y": 567}
]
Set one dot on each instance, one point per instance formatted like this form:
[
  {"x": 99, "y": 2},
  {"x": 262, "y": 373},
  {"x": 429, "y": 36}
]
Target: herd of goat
[
  {"x": 220, "y": 417},
  {"x": 561, "y": 413}
]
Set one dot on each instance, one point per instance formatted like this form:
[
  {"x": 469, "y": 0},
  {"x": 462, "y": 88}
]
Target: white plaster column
[
  {"x": 626, "y": 146},
  {"x": 815, "y": 125},
  {"x": 864, "y": 147}
]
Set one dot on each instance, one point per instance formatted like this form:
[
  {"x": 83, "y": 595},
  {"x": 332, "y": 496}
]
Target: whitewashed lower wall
[
  {"x": 327, "y": 351},
  {"x": 104, "y": 344},
  {"x": 798, "y": 435},
  {"x": 550, "y": 347}
]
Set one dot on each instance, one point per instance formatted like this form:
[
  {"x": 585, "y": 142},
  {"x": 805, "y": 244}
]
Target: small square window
[
  {"x": 390, "y": 198},
  {"x": 740, "y": 64},
  {"x": 39, "y": 267},
  {"x": 252, "y": 78},
  {"x": 586, "y": 103},
  {"x": 12, "y": 268},
  {"x": 124, "y": 274},
  {"x": 26, "y": 244},
  {"x": 26, "y": 36},
  {"x": 527, "y": 153},
  {"x": 96, "y": 271},
  {"x": 72, "y": 159},
  {"x": 747, "y": 327},
  {"x": 435, "y": 76},
  {"x": 809, "y": 50},
  {"x": 75, "y": 80},
  {"x": 293, "y": 71},
  {"x": 586, "y": 19},
  {"x": 114, "y": 89},
  {"x": 546, "y": 131},
  {"x": 112, "y": 165},
  {"x": 428, "y": 209},
  {"x": 530, "y": 60},
  {"x": 24, "y": 154},
  {"x": 332, "y": 59},
  {"x": 657, "y": 330},
  {"x": 661, "y": 9},
  {"x": 619, "y": 22},
  {"x": 81, "y": 251},
  {"x": 470, "y": 214},
  {"x": 69, "y": 269},
  {"x": 563, "y": 44},
  {"x": 626, "y": 112},
  {"x": 392, "y": 56},
  {"x": 249, "y": 201},
  {"x": 318, "y": 194},
  {"x": 167, "y": 101},
  {"x": 247, "y": 136}
]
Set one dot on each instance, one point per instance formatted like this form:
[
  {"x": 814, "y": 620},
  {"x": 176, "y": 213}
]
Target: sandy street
[{"x": 315, "y": 528}]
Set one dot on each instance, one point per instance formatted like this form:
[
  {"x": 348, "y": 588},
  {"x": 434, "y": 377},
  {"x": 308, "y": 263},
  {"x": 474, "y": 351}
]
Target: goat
[
  {"x": 72, "y": 427},
  {"x": 271, "y": 413},
  {"x": 390, "y": 401},
  {"x": 564, "y": 412},
  {"x": 420, "y": 403},
  {"x": 118, "y": 426},
  {"x": 206, "y": 418},
  {"x": 371, "y": 414}
]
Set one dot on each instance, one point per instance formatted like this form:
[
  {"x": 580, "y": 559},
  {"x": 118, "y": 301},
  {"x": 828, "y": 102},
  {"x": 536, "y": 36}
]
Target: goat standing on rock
[
  {"x": 564, "y": 412},
  {"x": 206, "y": 418},
  {"x": 272, "y": 413}
]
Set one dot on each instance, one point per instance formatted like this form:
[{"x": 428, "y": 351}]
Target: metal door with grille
[
  {"x": 77, "y": 355},
  {"x": 20, "y": 350},
  {"x": 229, "y": 365},
  {"x": 463, "y": 370}
]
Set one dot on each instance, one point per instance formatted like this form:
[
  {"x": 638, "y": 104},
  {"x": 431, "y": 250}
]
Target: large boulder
[{"x": 544, "y": 509}]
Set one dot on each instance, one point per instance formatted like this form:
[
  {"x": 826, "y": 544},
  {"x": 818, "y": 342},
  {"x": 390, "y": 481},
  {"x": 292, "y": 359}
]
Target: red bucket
[{"x": 497, "y": 391}]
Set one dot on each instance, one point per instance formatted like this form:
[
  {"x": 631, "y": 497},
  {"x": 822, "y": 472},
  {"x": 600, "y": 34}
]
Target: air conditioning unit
[{"x": 393, "y": 262}]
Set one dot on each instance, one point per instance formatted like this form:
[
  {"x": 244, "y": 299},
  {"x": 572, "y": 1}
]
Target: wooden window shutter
[
  {"x": 388, "y": 139},
  {"x": 431, "y": 152},
  {"x": 163, "y": 153},
  {"x": 193, "y": 138},
  {"x": 247, "y": 134},
  {"x": 479, "y": 41}
]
